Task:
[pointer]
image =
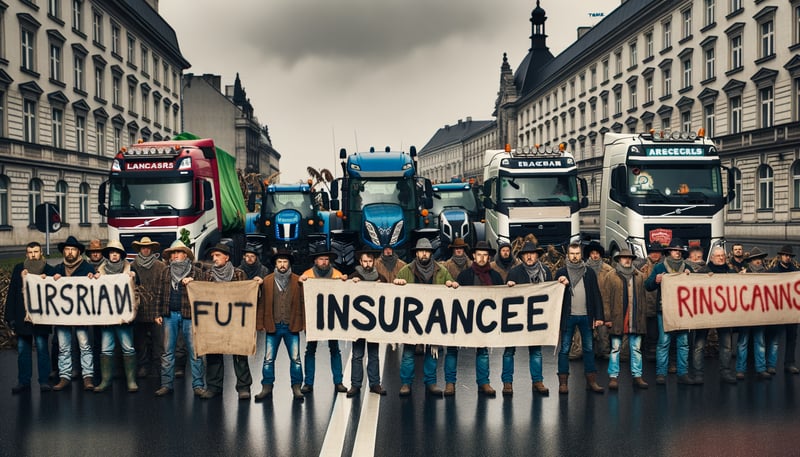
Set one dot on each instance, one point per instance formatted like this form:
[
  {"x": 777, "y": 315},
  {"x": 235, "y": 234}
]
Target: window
[
  {"x": 710, "y": 71},
  {"x": 583, "y": 82},
  {"x": 116, "y": 87},
  {"x": 83, "y": 196},
  {"x": 58, "y": 128},
  {"x": 632, "y": 89},
  {"x": 666, "y": 74},
  {"x": 687, "y": 73},
  {"x": 736, "y": 5},
  {"x": 28, "y": 44},
  {"x": 796, "y": 24},
  {"x": 166, "y": 75},
  {"x": 686, "y": 16},
  {"x": 97, "y": 27},
  {"x": 4, "y": 208},
  {"x": 132, "y": 98},
  {"x": 617, "y": 63},
  {"x": 34, "y": 198},
  {"x": 166, "y": 117},
  {"x": 709, "y": 16},
  {"x": 175, "y": 123},
  {"x": 77, "y": 15},
  {"x": 593, "y": 74},
  {"x": 605, "y": 70},
  {"x": 55, "y": 62},
  {"x": 572, "y": 89},
  {"x": 115, "y": 39},
  {"x": 708, "y": 120},
  {"x": 156, "y": 110},
  {"x": 145, "y": 104},
  {"x": 174, "y": 80},
  {"x": 735, "y": 104},
  {"x": 686, "y": 121},
  {"x": 593, "y": 113},
  {"x": 767, "y": 38},
  {"x": 156, "y": 64},
  {"x": 633, "y": 53},
  {"x": 79, "y": 63},
  {"x": 29, "y": 120},
  {"x": 100, "y": 133},
  {"x": 648, "y": 89},
  {"x": 766, "y": 107},
  {"x": 736, "y": 203},
  {"x": 795, "y": 87},
  {"x": 131, "y": 135},
  {"x": 765, "y": 187},
  {"x": 2, "y": 112},
  {"x": 145, "y": 60},
  {"x": 117, "y": 139},
  {"x": 736, "y": 52},
  {"x": 99, "y": 76},
  {"x": 617, "y": 101},
  {"x": 666, "y": 122},
  {"x": 54, "y": 8},
  {"x": 80, "y": 133},
  {"x": 131, "y": 50},
  {"x": 604, "y": 108},
  {"x": 666, "y": 28},
  {"x": 648, "y": 45},
  {"x": 62, "y": 191},
  {"x": 795, "y": 185}
]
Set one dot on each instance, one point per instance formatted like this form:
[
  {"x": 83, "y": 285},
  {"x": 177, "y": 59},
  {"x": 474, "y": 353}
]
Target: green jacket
[{"x": 440, "y": 273}]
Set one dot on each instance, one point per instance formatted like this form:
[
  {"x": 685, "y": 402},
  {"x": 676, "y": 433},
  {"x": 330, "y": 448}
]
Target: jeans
[
  {"x": 173, "y": 325},
  {"x": 585, "y": 327},
  {"x": 311, "y": 363},
  {"x": 725, "y": 351},
  {"x": 481, "y": 365},
  {"x": 662, "y": 349},
  {"x": 759, "y": 350},
  {"x": 635, "y": 343},
  {"x": 292, "y": 341},
  {"x": 791, "y": 343},
  {"x": 65, "y": 351},
  {"x": 373, "y": 363},
  {"x": 407, "y": 365},
  {"x": 534, "y": 364},
  {"x": 124, "y": 334},
  {"x": 24, "y": 362},
  {"x": 772, "y": 337}
]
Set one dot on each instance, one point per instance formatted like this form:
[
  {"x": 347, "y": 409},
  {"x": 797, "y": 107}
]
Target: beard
[
  {"x": 70, "y": 258},
  {"x": 282, "y": 269},
  {"x": 368, "y": 269},
  {"x": 424, "y": 261}
]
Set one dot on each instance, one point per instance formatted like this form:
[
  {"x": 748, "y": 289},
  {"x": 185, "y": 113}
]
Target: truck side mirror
[
  {"x": 584, "y": 202},
  {"x": 251, "y": 202},
  {"x": 731, "y": 185},
  {"x": 208, "y": 203},
  {"x": 326, "y": 201},
  {"x": 618, "y": 181},
  {"x": 487, "y": 203},
  {"x": 428, "y": 197},
  {"x": 101, "y": 199},
  {"x": 584, "y": 187}
]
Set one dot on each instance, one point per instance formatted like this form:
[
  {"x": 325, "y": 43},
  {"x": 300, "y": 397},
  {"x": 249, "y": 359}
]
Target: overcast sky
[{"x": 325, "y": 75}]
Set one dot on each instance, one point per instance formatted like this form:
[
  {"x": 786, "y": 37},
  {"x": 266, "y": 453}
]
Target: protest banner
[
  {"x": 698, "y": 301},
  {"x": 223, "y": 317},
  {"x": 79, "y": 300},
  {"x": 496, "y": 316}
]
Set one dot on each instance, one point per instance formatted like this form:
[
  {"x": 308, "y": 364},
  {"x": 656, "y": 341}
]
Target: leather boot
[
  {"x": 638, "y": 382},
  {"x": 562, "y": 383},
  {"x": 106, "y": 370},
  {"x": 591, "y": 383},
  {"x": 486, "y": 389},
  {"x": 449, "y": 389},
  {"x": 129, "y": 362},
  {"x": 508, "y": 389},
  {"x": 87, "y": 383},
  {"x": 540, "y": 388},
  {"x": 266, "y": 391},
  {"x": 613, "y": 383},
  {"x": 296, "y": 393},
  {"x": 63, "y": 383},
  {"x": 434, "y": 390}
]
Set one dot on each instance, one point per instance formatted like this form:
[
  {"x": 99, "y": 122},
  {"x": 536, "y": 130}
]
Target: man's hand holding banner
[
  {"x": 79, "y": 300},
  {"x": 224, "y": 317}
]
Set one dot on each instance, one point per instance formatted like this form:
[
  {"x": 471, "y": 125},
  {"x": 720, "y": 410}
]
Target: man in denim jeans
[
  {"x": 282, "y": 315},
  {"x": 582, "y": 308}
]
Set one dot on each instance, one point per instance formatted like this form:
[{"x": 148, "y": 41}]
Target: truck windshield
[
  {"x": 300, "y": 201},
  {"x": 668, "y": 180},
  {"x": 369, "y": 191},
  {"x": 150, "y": 194},
  {"x": 538, "y": 190},
  {"x": 463, "y": 198}
]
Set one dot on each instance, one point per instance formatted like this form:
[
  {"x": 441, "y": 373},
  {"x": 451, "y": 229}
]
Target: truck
[
  {"x": 184, "y": 188},
  {"x": 657, "y": 186},
  {"x": 533, "y": 190},
  {"x": 380, "y": 200},
  {"x": 456, "y": 213},
  {"x": 293, "y": 217}
]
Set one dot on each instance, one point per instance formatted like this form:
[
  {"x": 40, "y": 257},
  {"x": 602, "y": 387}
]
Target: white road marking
[{"x": 367, "y": 431}]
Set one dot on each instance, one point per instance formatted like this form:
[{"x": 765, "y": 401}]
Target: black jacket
[
  {"x": 594, "y": 302},
  {"x": 15, "y": 305}
]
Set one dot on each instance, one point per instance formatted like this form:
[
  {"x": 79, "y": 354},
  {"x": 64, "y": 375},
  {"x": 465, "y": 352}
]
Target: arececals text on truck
[
  {"x": 533, "y": 191},
  {"x": 383, "y": 202},
  {"x": 184, "y": 188},
  {"x": 658, "y": 186}
]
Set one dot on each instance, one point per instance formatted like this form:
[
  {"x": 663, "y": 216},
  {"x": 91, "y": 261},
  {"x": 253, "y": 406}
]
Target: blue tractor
[{"x": 456, "y": 213}]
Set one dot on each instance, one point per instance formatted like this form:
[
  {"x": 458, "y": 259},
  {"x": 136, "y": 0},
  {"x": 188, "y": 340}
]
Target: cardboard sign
[
  {"x": 78, "y": 300},
  {"x": 497, "y": 316},
  {"x": 699, "y": 301},
  {"x": 223, "y": 317}
]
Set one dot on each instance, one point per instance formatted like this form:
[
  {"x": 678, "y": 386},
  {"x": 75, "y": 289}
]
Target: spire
[
  {"x": 239, "y": 96},
  {"x": 538, "y": 36}
]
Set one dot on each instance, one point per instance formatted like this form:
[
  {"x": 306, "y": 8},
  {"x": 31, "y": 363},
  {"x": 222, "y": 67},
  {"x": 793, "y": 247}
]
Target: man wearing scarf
[
  {"x": 786, "y": 264},
  {"x": 224, "y": 271},
  {"x": 147, "y": 338},
  {"x": 73, "y": 265},
  {"x": 695, "y": 260},
  {"x": 116, "y": 264},
  {"x": 480, "y": 273},
  {"x": 530, "y": 271},
  {"x": 422, "y": 270},
  {"x": 755, "y": 264},
  {"x": 654, "y": 257},
  {"x": 673, "y": 263},
  {"x": 322, "y": 269},
  {"x": 504, "y": 261},
  {"x": 459, "y": 261},
  {"x": 174, "y": 314},
  {"x": 365, "y": 271},
  {"x": 94, "y": 254},
  {"x": 625, "y": 302},
  {"x": 27, "y": 333},
  {"x": 582, "y": 308},
  {"x": 281, "y": 315},
  {"x": 593, "y": 253},
  {"x": 388, "y": 263},
  {"x": 251, "y": 266}
]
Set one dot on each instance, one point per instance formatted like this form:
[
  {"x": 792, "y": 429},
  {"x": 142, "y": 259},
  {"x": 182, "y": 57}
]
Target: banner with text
[
  {"x": 78, "y": 300},
  {"x": 497, "y": 316},
  {"x": 698, "y": 301},
  {"x": 223, "y": 317}
]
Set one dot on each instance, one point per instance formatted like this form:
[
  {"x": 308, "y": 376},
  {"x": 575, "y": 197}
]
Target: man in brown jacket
[
  {"x": 388, "y": 263},
  {"x": 282, "y": 315},
  {"x": 625, "y": 313},
  {"x": 147, "y": 337}
]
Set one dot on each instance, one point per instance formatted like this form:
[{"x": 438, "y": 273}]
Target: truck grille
[{"x": 555, "y": 233}]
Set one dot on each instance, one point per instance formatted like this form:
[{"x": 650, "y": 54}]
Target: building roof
[
  {"x": 156, "y": 25},
  {"x": 454, "y": 134}
]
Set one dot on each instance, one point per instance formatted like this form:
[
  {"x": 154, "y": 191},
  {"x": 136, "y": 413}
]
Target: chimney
[{"x": 583, "y": 31}]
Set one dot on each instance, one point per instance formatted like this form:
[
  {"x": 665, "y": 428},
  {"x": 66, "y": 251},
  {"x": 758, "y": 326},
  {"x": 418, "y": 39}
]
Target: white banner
[
  {"x": 698, "y": 301},
  {"x": 497, "y": 316},
  {"x": 78, "y": 300},
  {"x": 223, "y": 317}
]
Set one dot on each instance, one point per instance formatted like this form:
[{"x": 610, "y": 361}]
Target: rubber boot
[
  {"x": 591, "y": 383},
  {"x": 106, "y": 371},
  {"x": 562, "y": 383},
  {"x": 129, "y": 361}
]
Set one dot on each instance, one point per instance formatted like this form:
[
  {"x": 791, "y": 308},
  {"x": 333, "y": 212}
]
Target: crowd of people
[{"x": 614, "y": 304}]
